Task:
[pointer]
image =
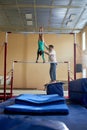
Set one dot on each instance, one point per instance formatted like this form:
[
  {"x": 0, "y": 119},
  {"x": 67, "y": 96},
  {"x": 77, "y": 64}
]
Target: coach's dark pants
[{"x": 53, "y": 71}]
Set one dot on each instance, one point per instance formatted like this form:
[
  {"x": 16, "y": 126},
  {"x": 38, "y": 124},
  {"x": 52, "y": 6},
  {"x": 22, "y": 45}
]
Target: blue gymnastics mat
[
  {"x": 25, "y": 109},
  {"x": 38, "y": 99},
  {"x": 75, "y": 120},
  {"x": 27, "y": 123},
  {"x": 38, "y": 104},
  {"x": 55, "y": 88}
]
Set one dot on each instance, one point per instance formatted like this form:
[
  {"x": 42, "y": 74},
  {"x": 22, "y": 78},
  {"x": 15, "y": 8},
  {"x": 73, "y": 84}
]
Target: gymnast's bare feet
[
  {"x": 41, "y": 29},
  {"x": 36, "y": 61},
  {"x": 53, "y": 82},
  {"x": 44, "y": 61}
]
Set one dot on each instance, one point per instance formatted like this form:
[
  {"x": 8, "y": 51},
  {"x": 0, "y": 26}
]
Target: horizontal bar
[
  {"x": 10, "y": 6},
  {"x": 43, "y": 33},
  {"x": 31, "y": 62}
]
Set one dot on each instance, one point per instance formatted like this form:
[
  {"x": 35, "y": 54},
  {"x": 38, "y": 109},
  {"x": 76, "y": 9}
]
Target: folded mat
[
  {"x": 25, "y": 109},
  {"x": 55, "y": 88},
  {"x": 38, "y": 99},
  {"x": 38, "y": 104}
]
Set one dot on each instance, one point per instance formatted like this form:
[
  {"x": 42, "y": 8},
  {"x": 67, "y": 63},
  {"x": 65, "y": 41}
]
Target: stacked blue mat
[
  {"x": 55, "y": 88},
  {"x": 38, "y": 104}
]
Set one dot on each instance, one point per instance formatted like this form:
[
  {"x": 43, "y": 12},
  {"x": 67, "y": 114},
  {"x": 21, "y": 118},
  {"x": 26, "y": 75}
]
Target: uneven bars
[{"x": 31, "y": 62}]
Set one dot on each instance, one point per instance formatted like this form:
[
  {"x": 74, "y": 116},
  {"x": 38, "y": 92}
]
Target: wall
[
  {"x": 24, "y": 47},
  {"x": 84, "y": 56}
]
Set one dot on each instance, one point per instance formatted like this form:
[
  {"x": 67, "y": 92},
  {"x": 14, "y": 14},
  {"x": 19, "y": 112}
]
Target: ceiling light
[
  {"x": 29, "y": 23},
  {"x": 28, "y": 16}
]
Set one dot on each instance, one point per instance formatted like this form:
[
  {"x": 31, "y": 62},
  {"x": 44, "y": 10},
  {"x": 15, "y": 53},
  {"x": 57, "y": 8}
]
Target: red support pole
[{"x": 5, "y": 62}]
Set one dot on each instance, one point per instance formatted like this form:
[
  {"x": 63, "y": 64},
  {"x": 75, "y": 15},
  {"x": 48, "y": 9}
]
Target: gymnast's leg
[
  {"x": 43, "y": 57},
  {"x": 37, "y": 56}
]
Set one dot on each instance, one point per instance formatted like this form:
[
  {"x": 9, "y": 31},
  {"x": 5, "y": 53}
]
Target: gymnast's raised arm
[{"x": 41, "y": 36}]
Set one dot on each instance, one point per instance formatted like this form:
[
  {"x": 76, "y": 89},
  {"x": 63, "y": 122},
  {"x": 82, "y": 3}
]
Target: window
[
  {"x": 84, "y": 41},
  {"x": 84, "y": 73}
]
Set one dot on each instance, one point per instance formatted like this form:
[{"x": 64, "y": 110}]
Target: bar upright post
[{"x": 74, "y": 56}]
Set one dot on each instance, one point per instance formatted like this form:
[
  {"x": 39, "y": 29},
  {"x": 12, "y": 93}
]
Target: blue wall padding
[
  {"x": 38, "y": 104},
  {"x": 55, "y": 88},
  {"x": 38, "y": 99},
  {"x": 78, "y": 91}
]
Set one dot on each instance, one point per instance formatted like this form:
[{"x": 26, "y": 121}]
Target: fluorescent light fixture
[
  {"x": 72, "y": 16},
  {"x": 29, "y": 23},
  {"x": 28, "y": 16}
]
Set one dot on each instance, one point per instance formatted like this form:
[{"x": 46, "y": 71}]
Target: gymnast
[
  {"x": 41, "y": 45},
  {"x": 52, "y": 58}
]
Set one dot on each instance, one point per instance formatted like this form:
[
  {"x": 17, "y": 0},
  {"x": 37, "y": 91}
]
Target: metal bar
[
  {"x": 42, "y": 32},
  {"x": 68, "y": 79},
  {"x": 10, "y": 6},
  {"x": 31, "y": 62},
  {"x": 5, "y": 61},
  {"x": 6, "y": 38},
  {"x": 11, "y": 90},
  {"x": 74, "y": 56}
]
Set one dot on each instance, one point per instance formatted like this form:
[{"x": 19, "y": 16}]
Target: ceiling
[{"x": 57, "y": 16}]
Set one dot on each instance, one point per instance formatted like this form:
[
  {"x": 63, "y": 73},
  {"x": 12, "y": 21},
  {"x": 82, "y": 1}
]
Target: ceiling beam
[
  {"x": 6, "y": 15},
  {"x": 10, "y": 6},
  {"x": 35, "y": 15},
  {"x": 50, "y": 13},
  {"x": 66, "y": 14},
  {"x": 19, "y": 12},
  {"x": 79, "y": 18}
]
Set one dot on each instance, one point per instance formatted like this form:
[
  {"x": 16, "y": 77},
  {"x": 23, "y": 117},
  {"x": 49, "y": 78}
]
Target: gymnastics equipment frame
[{"x": 5, "y": 95}]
